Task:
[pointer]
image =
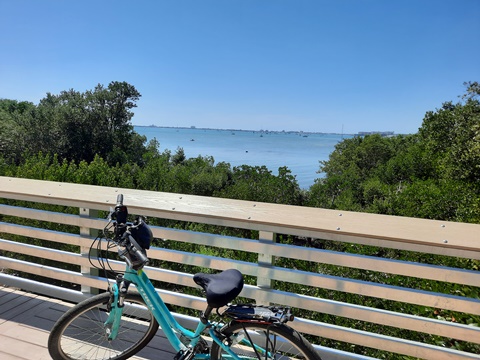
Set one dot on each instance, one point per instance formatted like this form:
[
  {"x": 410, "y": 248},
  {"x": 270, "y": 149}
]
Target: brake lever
[
  {"x": 109, "y": 217},
  {"x": 131, "y": 247}
]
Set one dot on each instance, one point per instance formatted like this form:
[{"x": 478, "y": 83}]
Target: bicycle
[{"x": 118, "y": 323}]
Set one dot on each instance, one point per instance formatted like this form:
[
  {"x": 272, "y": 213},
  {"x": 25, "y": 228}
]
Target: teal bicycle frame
[{"x": 163, "y": 316}]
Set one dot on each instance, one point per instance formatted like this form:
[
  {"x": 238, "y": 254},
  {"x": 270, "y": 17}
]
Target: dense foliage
[
  {"x": 75, "y": 126},
  {"x": 432, "y": 174}
]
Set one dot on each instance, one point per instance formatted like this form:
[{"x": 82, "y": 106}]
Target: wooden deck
[{"x": 25, "y": 322}]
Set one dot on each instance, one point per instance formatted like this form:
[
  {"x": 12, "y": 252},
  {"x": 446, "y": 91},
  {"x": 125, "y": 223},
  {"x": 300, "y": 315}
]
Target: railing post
[
  {"x": 265, "y": 262},
  {"x": 84, "y": 250}
]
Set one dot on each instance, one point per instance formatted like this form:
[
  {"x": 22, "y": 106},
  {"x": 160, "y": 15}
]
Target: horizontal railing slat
[{"x": 53, "y": 273}]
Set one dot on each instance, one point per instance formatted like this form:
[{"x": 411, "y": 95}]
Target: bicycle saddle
[{"x": 220, "y": 288}]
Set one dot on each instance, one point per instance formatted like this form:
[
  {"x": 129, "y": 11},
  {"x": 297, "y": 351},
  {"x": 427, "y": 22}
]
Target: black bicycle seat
[{"x": 220, "y": 288}]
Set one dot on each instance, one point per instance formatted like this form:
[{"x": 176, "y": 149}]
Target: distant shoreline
[{"x": 245, "y": 130}]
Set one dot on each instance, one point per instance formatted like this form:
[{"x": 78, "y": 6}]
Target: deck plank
[{"x": 26, "y": 320}]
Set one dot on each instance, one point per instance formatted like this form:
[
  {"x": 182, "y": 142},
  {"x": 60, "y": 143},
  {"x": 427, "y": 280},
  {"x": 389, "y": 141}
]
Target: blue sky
[{"x": 360, "y": 65}]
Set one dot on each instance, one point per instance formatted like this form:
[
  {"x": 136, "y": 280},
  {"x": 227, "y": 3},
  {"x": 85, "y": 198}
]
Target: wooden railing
[{"x": 384, "y": 233}]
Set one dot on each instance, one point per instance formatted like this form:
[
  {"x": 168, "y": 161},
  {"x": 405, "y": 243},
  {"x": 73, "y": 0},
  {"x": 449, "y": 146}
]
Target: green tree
[
  {"x": 450, "y": 200},
  {"x": 257, "y": 183},
  {"x": 153, "y": 175},
  {"x": 179, "y": 157},
  {"x": 353, "y": 162},
  {"x": 14, "y": 125},
  {"x": 109, "y": 120},
  {"x": 433, "y": 174},
  {"x": 75, "y": 126},
  {"x": 452, "y": 136},
  {"x": 197, "y": 176}
]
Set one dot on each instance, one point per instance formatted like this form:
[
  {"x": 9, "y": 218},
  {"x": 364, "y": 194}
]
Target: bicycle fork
[{"x": 115, "y": 306}]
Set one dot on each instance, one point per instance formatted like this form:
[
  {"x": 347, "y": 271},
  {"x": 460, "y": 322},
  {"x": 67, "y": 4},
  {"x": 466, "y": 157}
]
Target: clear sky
[{"x": 364, "y": 65}]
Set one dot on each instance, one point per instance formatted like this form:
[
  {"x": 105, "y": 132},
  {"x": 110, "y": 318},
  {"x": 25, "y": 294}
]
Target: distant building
[{"x": 381, "y": 133}]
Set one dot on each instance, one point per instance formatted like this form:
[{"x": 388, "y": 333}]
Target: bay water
[{"x": 300, "y": 152}]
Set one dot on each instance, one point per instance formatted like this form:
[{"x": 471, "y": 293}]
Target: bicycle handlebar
[{"x": 133, "y": 254}]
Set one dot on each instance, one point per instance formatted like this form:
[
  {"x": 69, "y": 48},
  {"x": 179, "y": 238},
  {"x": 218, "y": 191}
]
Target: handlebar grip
[
  {"x": 119, "y": 199},
  {"x": 121, "y": 212}
]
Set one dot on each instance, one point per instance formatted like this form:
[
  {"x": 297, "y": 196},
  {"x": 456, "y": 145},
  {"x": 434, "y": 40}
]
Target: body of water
[{"x": 300, "y": 152}]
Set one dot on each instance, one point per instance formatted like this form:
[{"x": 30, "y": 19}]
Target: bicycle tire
[
  {"x": 283, "y": 342},
  {"x": 80, "y": 332}
]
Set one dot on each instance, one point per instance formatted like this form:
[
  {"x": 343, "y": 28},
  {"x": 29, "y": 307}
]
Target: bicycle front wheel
[
  {"x": 81, "y": 332},
  {"x": 264, "y": 341}
]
